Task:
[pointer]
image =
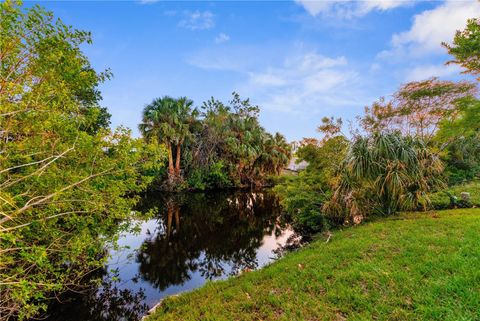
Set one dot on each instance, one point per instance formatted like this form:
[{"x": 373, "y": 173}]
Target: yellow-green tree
[{"x": 63, "y": 174}]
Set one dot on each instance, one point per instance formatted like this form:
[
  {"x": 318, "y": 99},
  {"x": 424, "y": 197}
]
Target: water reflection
[
  {"x": 193, "y": 238},
  {"x": 104, "y": 303},
  {"x": 209, "y": 233}
]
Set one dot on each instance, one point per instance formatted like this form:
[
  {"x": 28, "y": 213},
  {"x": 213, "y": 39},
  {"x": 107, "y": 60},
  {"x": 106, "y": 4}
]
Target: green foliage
[
  {"x": 64, "y": 176},
  {"x": 214, "y": 176},
  {"x": 196, "y": 180},
  {"x": 466, "y": 47},
  {"x": 153, "y": 157},
  {"x": 168, "y": 120},
  {"x": 459, "y": 138},
  {"x": 416, "y": 266},
  {"x": 451, "y": 197},
  {"x": 303, "y": 196},
  {"x": 222, "y": 146},
  {"x": 385, "y": 173},
  {"x": 217, "y": 176},
  {"x": 232, "y": 134}
]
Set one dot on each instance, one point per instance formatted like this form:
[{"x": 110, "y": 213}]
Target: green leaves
[
  {"x": 387, "y": 172},
  {"x": 417, "y": 108},
  {"x": 303, "y": 196},
  {"x": 466, "y": 47},
  {"x": 64, "y": 175},
  {"x": 224, "y": 145}
]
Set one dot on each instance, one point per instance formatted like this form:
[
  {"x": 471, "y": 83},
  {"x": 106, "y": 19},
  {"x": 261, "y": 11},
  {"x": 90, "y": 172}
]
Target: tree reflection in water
[
  {"x": 214, "y": 234},
  {"x": 196, "y": 237},
  {"x": 108, "y": 302}
]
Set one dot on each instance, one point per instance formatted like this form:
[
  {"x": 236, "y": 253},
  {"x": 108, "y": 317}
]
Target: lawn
[
  {"x": 415, "y": 266},
  {"x": 441, "y": 200}
]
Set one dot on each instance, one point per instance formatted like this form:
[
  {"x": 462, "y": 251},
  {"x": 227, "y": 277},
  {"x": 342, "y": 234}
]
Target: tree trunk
[
  {"x": 169, "y": 219},
  {"x": 177, "y": 162},
  {"x": 177, "y": 218},
  {"x": 171, "y": 169}
]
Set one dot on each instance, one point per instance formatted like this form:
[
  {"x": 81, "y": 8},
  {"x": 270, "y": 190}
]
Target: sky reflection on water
[{"x": 193, "y": 238}]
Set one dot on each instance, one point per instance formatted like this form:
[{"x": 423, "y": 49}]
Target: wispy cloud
[
  {"x": 302, "y": 82},
  {"x": 427, "y": 71},
  {"x": 347, "y": 9},
  {"x": 430, "y": 28},
  {"x": 197, "y": 20},
  {"x": 305, "y": 83},
  {"x": 222, "y": 37}
]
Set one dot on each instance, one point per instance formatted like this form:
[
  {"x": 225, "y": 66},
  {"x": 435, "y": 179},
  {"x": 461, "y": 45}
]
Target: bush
[
  {"x": 196, "y": 180},
  {"x": 303, "y": 196},
  {"x": 215, "y": 176},
  {"x": 451, "y": 197},
  {"x": 302, "y": 201}
]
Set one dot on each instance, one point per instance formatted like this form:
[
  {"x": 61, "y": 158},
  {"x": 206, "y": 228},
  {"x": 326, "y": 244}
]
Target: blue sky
[{"x": 298, "y": 60}]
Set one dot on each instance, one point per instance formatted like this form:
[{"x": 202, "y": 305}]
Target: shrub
[
  {"x": 385, "y": 173},
  {"x": 302, "y": 200},
  {"x": 451, "y": 197}
]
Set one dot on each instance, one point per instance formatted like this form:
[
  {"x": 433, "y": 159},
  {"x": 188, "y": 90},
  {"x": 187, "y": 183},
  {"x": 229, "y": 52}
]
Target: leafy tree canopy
[
  {"x": 417, "y": 107},
  {"x": 64, "y": 175},
  {"x": 466, "y": 47}
]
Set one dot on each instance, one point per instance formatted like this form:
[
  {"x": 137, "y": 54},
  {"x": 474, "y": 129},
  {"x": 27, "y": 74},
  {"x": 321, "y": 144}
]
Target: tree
[
  {"x": 168, "y": 120},
  {"x": 330, "y": 127},
  {"x": 466, "y": 47},
  {"x": 185, "y": 117},
  {"x": 384, "y": 173},
  {"x": 459, "y": 134},
  {"x": 229, "y": 147},
  {"x": 303, "y": 196},
  {"x": 63, "y": 176},
  {"x": 417, "y": 108},
  {"x": 459, "y": 141}
]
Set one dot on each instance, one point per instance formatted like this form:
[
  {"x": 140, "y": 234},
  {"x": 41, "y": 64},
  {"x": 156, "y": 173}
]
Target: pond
[{"x": 193, "y": 238}]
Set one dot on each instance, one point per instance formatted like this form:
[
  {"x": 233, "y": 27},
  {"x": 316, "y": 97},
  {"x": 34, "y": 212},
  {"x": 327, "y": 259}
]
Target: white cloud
[
  {"x": 303, "y": 82},
  {"x": 267, "y": 79},
  {"x": 222, "y": 37},
  {"x": 306, "y": 82},
  {"x": 427, "y": 71},
  {"x": 431, "y": 27},
  {"x": 315, "y": 7},
  {"x": 197, "y": 20},
  {"x": 349, "y": 8}
]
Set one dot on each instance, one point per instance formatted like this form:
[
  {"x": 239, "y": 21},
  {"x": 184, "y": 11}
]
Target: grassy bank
[
  {"x": 441, "y": 200},
  {"x": 416, "y": 266}
]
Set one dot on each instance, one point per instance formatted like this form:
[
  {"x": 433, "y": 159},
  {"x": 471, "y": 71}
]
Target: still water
[{"x": 192, "y": 238}]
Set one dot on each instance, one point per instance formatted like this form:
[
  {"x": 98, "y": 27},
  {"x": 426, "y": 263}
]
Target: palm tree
[
  {"x": 185, "y": 116},
  {"x": 385, "y": 173},
  {"x": 281, "y": 152},
  {"x": 168, "y": 120}
]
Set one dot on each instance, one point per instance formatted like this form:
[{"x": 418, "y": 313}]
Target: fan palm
[
  {"x": 168, "y": 120},
  {"x": 385, "y": 173}
]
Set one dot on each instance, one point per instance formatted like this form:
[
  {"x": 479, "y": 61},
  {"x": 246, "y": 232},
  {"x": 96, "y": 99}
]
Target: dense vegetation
[
  {"x": 64, "y": 175},
  {"x": 403, "y": 155},
  {"x": 216, "y": 146},
  {"x": 68, "y": 183},
  {"x": 415, "y": 266}
]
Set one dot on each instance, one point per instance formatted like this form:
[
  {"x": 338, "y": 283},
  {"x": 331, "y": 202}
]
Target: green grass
[
  {"x": 416, "y": 266},
  {"x": 440, "y": 200}
]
